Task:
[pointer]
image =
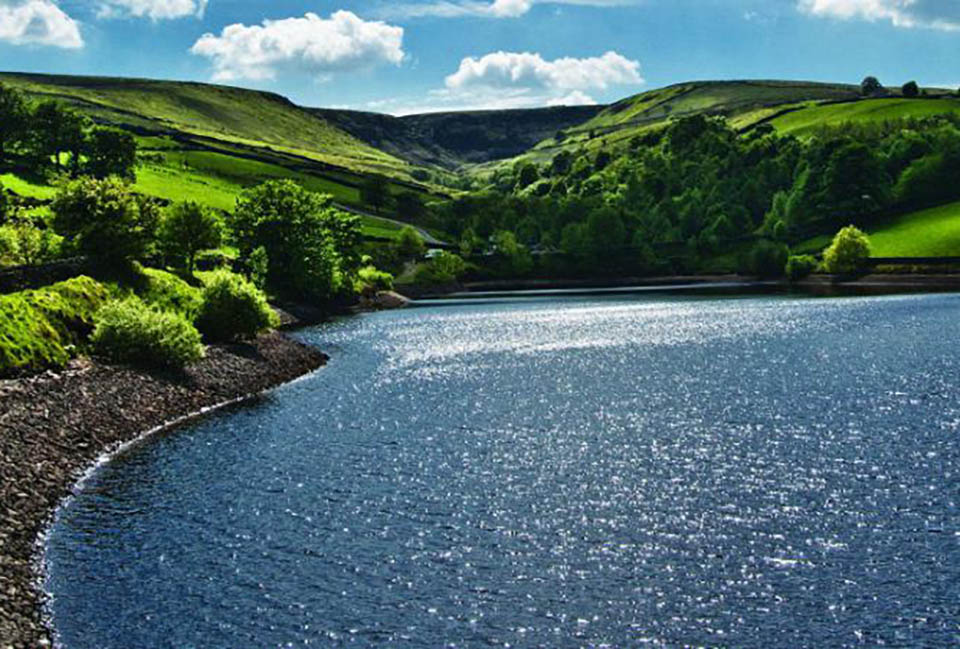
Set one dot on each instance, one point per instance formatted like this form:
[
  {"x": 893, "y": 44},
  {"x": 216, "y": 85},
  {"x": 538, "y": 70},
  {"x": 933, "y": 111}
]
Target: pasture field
[
  {"x": 933, "y": 232},
  {"x": 809, "y": 119}
]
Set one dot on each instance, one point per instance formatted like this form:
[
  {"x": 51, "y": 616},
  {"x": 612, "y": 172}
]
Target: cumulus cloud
[
  {"x": 937, "y": 14},
  {"x": 575, "y": 98},
  {"x": 482, "y": 8},
  {"x": 531, "y": 71},
  {"x": 319, "y": 46},
  {"x": 38, "y": 22},
  {"x": 153, "y": 9},
  {"x": 504, "y": 80}
]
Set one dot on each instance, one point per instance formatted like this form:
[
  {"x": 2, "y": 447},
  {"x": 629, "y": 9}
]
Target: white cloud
[
  {"x": 508, "y": 80},
  {"x": 153, "y": 9},
  {"x": 310, "y": 44},
  {"x": 482, "y": 8},
  {"x": 531, "y": 71},
  {"x": 575, "y": 98},
  {"x": 936, "y": 14},
  {"x": 38, "y": 22}
]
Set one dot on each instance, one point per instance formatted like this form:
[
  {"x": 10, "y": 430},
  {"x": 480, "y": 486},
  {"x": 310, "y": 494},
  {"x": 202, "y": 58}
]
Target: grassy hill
[
  {"x": 932, "y": 232},
  {"x": 453, "y": 139},
  {"x": 230, "y": 115},
  {"x": 806, "y": 119}
]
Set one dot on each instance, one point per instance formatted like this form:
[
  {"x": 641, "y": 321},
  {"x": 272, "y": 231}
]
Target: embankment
[{"x": 54, "y": 426}]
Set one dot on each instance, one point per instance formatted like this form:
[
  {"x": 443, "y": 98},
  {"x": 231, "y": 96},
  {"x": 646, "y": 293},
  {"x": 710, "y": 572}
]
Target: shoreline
[
  {"x": 55, "y": 426},
  {"x": 868, "y": 284}
]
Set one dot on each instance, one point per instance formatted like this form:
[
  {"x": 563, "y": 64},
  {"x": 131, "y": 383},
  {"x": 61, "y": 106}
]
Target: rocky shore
[{"x": 54, "y": 426}]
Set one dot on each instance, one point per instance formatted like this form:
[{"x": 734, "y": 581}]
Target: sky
[{"x": 408, "y": 56}]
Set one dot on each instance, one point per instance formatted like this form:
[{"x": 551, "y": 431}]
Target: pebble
[{"x": 55, "y": 425}]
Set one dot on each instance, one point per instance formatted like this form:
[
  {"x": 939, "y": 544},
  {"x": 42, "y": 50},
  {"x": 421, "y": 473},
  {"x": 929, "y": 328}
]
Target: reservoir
[{"x": 608, "y": 471}]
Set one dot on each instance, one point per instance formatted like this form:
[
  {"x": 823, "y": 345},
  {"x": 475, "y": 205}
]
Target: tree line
[
  {"x": 681, "y": 196},
  {"x": 50, "y": 136}
]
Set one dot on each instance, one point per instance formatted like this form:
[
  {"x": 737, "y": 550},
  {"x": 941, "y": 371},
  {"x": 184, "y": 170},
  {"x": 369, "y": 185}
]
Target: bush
[
  {"x": 128, "y": 331},
  {"x": 410, "y": 244},
  {"x": 233, "y": 308},
  {"x": 767, "y": 259},
  {"x": 311, "y": 246},
  {"x": 848, "y": 252},
  {"x": 41, "y": 329},
  {"x": 24, "y": 244},
  {"x": 375, "y": 279},
  {"x": 167, "y": 292},
  {"x": 105, "y": 220},
  {"x": 800, "y": 266},
  {"x": 445, "y": 268},
  {"x": 187, "y": 228}
]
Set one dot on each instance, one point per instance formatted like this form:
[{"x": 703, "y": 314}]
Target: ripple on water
[{"x": 589, "y": 472}]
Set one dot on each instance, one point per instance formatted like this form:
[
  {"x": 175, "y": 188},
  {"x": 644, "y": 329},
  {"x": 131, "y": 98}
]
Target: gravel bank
[{"x": 52, "y": 427}]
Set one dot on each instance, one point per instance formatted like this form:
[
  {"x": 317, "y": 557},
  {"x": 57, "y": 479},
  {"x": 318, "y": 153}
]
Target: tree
[
  {"x": 561, "y": 162},
  {"x": 375, "y": 192},
  {"x": 5, "y": 205},
  {"x": 111, "y": 152},
  {"x": 310, "y": 245},
  {"x": 517, "y": 257},
  {"x": 910, "y": 89},
  {"x": 870, "y": 86},
  {"x": 56, "y": 129},
  {"x": 527, "y": 175},
  {"x": 848, "y": 252},
  {"x": 410, "y": 207},
  {"x": 187, "y": 228},
  {"x": 104, "y": 220},
  {"x": 410, "y": 244},
  {"x": 767, "y": 259},
  {"x": 13, "y": 118}
]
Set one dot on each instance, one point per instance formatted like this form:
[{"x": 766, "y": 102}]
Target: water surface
[{"x": 611, "y": 471}]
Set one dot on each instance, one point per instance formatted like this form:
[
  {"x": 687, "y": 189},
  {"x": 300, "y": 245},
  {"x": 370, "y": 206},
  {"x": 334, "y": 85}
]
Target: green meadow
[{"x": 809, "y": 119}]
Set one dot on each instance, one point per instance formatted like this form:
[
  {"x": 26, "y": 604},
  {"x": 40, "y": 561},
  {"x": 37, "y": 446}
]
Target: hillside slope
[
  {"x": 226, "y": 114},
  {"x": 452, "y": 139}
]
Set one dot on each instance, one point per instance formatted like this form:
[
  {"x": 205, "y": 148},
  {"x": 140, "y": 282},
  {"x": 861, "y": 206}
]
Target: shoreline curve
[{"x": 56, "y": 428}]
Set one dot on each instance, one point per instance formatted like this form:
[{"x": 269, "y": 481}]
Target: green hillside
[
  {"x": 452, "y": 139},
  {"x": 232, "y": 115},
  {"x": 932, "y": 232},
  {"x": 807, "y": 119}
]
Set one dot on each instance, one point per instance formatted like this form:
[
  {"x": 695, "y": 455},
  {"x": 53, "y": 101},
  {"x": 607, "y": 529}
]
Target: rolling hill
[{"x": 453, "y": 139}]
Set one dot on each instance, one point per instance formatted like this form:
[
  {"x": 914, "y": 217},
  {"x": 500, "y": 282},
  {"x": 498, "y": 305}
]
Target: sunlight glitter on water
[{"x": 584, "y": 472}]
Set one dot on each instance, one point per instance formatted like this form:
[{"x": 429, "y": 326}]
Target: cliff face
[{"x": 55, "y": 425}]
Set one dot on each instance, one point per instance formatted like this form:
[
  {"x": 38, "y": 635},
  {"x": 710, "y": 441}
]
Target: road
[{"x": 428, "y": 238}]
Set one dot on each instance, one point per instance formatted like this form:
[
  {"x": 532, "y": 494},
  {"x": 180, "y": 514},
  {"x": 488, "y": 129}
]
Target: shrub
[
  {"x": 311, "y": 245},
  {"x": 800, "y": 266},
  {"x": 167, "y": 292},
  {"x": 410, "y": 244},
  {"x": 105, "y": 220},
  {"x": 187, "y": 228},
  {"x": 233, "y": 308},
  {"x": 22, "y": 243},
  {"x": 767, "y": 259},
  {"x": 258, "y": 265},
  {"x": 445, "y": 268},
  {"x": 375, "y": 279},
  {"x": 848, "y": 252},
  {"x": 128, "y": 331},
  {"x": 41, "y": 329}
]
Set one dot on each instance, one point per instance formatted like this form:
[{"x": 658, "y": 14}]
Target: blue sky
[{"x": 421, "y": 55}]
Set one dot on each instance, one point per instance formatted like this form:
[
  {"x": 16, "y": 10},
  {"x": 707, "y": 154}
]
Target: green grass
[
  {"x": 933, "y": 232},
  {"x": 929, "y": 233},
  {"x": 29, "y": 188},
  {"x": 806, "y": 120},
  {"x": 43, "y": 328}
]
